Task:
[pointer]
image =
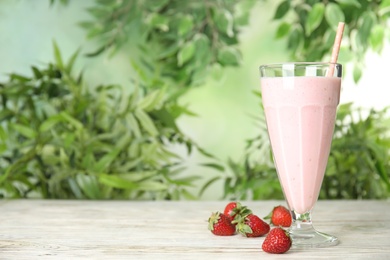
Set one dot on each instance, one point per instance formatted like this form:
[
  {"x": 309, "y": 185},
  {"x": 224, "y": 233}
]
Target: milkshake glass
[{"x": 300, "y": 102}]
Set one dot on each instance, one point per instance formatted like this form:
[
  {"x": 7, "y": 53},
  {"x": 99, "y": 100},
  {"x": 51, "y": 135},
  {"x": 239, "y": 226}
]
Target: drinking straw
[{"x": 336, "y": 48}]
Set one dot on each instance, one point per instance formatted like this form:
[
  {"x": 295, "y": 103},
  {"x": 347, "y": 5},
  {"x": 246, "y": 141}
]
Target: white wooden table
[{"x": 58, "y": 229}]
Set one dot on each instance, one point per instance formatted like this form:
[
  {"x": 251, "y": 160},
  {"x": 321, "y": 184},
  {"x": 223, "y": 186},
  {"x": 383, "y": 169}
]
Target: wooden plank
[{"x": 60, "y": 229}]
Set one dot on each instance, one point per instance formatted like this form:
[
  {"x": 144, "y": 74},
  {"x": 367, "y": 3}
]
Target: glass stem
[
  {"x": 304, "y": 235},
  {"x": 302, "y": 223}
]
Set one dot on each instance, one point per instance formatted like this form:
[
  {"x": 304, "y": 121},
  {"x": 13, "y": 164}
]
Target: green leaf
[
  {"x": 140, "y": 72},
  {"x": 168, "y": 52},
  {"x": 166, "y": 118},
  {"x": 243, "y": 19},
  {"x": 3, "y": 134},
  {"x": 88, "y": 160},
  {"x": 151, "y": 101},
  {"x": 205, "y": 153},
  {"x": 89, "y": 186},
  {"x": 185, "y": 25},
  {"x": 134, "y": 126},
  {"x": 57, "y": 56},
  {"x": 86, "y": 24},
  {"x": 208, "y": 184},
  {"x": 224, "y": 21},
  {"x": 384, "y": 7},
  {"x": 295, "y": 38},
  {"x": 185, "y": 181},
  {"x": 49, "y": 123},
  {"x": 226, "y": 187},
  {"x": 24, "y": 130},
  {"x": 354, "y": 3},
  {"x": 366, "y": 22},
  {"x": 175, "y": 94},
  {"x": 159, "y": 21},
  {"x": 202, "y": 46},
  {"x": 176, "y": 111},
  {"x": 151, "y": 186},
  {"x": 4, "y": 176},
  {"x": 384, "y": 4},
  {"x": 3, "y": 147},
  {"x": 229, "y": 56},
  {"x": 156, "y": 5},
  {"x": 140, "y": 175},
  {"x": 314, "y": 18},
  {"x": 146, "y": 122},
  {"x": 357, "y": 73},
  {"x": 72, "y": 60},
  {"x": 73, "y": 121},
  {"x": 106, "y": 160},
  {"x": 75, "y": 189},
  {"x": 97, "y": 11},
  {"x": 5, "y": 114},
  {"x": 68, "y": 139},
  {"x": 376, "y": 37},
  {"x": 187, "y": 195},
  {"x": 94, "y": 32},
  {"x": 334, "y": 15},
  {"x": 98, "y": 51},
  {"x": 214, "y": 165},
  {"x": 283, "y": 30},
  {"x": 185, "y": 53},
  {"x": 282, "y": 9},
  {"x": 328, "y": 38},
  {"x": 117, "y": 182},
  {"x": 37, "y": 73},
  {"x": 17, "y": 77}
]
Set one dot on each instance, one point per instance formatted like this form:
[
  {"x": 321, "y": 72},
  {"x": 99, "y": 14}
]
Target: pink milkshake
[
  {"x": 300, "y": 102},
  {"x": 300, "y": 113}
]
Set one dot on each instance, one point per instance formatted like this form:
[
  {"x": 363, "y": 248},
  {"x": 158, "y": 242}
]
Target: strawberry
[
  {"x": 221, "y": 225},
  {"x": 230, "y": 209},
  {"x": 280, "y": 216},
  {"x": 235, "y": 209},
  {"x": 252, "y": 226},
  {"x": 277, "y": 241}
]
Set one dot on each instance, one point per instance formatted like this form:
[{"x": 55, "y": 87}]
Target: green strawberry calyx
[
  {"x": 240, "y": 221},
  {"x": 214, "y": 218}
]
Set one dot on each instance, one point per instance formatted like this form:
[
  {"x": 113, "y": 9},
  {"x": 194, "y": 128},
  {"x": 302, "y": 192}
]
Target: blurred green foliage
[
  {"x": 359, "y": 162},
  {"x": 358, "y": 166},
  {"x": 60, "y": 138},
  {"x": 310, "y": 29},
  {"x": 180, "y": 41}
]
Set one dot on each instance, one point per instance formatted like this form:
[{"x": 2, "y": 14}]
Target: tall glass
[{"x": 300, "y": 102}]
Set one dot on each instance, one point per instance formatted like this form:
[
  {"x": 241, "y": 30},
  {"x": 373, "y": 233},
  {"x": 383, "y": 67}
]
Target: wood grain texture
[{"x": 59, "y": 229}]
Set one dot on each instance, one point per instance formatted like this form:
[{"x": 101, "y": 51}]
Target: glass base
[
  {"x": 312, "y": 239},
  {"x": 304, "y": 235}
]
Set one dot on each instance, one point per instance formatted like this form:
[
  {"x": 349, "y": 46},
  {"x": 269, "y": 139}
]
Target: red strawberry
[
  {"x": 221, "y": 225},
  {"x": 277, "y": 241},
  {"x": 252, "y": 226},
  {"x": 280, "y": 216},
  {"x": 235, "y": 209},
  {"x": 230, "y": 209}
]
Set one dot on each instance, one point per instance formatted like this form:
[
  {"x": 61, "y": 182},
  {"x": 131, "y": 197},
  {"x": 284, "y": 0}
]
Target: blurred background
[{"x": 217, "y": 143}]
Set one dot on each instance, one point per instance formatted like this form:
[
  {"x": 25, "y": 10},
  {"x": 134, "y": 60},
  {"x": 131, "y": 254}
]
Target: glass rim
[{"x": 303, "y": 63}]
